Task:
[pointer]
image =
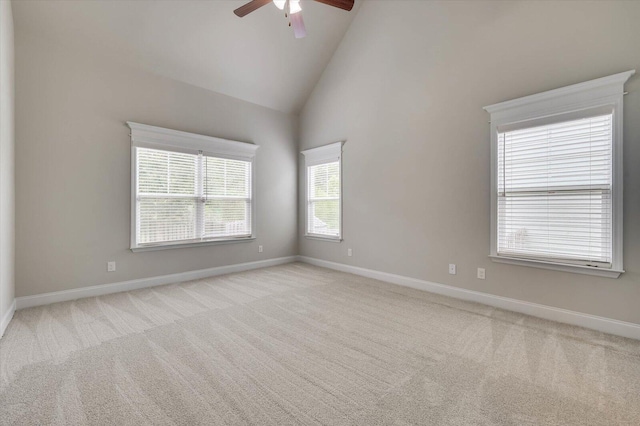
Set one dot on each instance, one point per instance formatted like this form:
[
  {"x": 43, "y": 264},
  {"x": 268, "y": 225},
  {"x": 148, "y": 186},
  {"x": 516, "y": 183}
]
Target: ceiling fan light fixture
[
  {"x": 280, "y": 4},
  {"x": 294, "y": 6},
  {"x": 297, "y": 22}
]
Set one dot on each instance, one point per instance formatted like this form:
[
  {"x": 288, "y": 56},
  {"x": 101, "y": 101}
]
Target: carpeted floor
[{"x": 297, "y": 344}]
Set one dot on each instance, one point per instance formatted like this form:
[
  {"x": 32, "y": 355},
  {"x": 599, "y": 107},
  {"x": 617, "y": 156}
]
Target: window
[
  {"x": 557, "y": 178},
  {"x": 323, "y": 192},
  {"x": 189, "y": 189}
]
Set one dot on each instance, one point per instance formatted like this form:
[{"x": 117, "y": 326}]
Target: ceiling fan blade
[
  {"x": 298, "y": 25},
  {"x": 341, "y": 4},
  {"x": 250, "y": 7}
]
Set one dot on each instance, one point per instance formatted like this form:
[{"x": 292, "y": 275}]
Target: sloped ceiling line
[{"x": 256, "y": 58}]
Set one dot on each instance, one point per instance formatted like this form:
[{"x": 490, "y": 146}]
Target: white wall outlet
[
  {"x": 452, "y": 268},
  {"x": 349, "y": 252},
  {"x": 259, "y": 249},
  {"x": 111, "y": 266},
  {"x": 481, "y": 274}
]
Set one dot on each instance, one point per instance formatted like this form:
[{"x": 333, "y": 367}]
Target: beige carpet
[{"x": 296, "y": 344}]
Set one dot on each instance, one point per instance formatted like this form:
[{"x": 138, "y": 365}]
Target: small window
[
  {"x": 324, "y": 192},
  {"x": 189, "y": 189},
  {"x": 557, "y": 178}
]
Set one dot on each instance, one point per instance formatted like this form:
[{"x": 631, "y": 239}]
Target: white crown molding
[
  {"x": 323, "y": 154},
  {"x": 605, "y": 86},
  {"x": 149, "y": 136},
  {"x": 4, "y": 322},
  {"x": 99, "y": 290},
  {"x": 605, "y": 325}
]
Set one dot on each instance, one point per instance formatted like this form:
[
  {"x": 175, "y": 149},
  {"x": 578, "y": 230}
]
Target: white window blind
[
  {"x": 323, "y": 210},
  {"x": 227, "y": 198},
  {"x": 324, "y": 191},
  {"x": 184, "y": 197},
  {"x": 167, "y": 196},
  {"x": 555, "y": 192}
]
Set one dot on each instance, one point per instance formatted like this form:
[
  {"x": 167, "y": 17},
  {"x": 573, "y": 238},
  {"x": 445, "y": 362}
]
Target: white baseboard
[
  {"x": 606, "y": 325},
  {"x": 99, "y": 290},
  {"x": 4, "y": 322}
]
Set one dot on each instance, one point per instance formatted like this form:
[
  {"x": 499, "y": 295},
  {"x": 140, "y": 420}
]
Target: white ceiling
[{"x": 255, "y": 58}]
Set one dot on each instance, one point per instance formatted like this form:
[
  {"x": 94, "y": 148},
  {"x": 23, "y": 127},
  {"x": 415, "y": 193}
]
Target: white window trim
[
  {"x": 145, "y": 136},
  {"x": 602, "y": 92},
  {"x": 313, "y": 157}
]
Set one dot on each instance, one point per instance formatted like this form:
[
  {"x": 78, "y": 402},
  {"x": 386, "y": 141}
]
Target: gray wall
[
  {"x": 7, "y": 200},
  {"x": 406, "y": 89},
  {"x": 73, "y": 167}
]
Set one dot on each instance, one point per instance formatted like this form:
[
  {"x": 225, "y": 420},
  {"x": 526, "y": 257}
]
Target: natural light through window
[
  {"x": 556, "y": 178},
  {"x": 324, "y": 199},
  {"x": 323, "y": 191},
  {"x": 184, "y": 195},
  {"x": 554, "y": 191}
]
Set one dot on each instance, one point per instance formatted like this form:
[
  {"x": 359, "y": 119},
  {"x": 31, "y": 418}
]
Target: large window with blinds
[
  {"x": 324, "y": 192},
  {"x": 557, "y": 178},
  {"x": 554, "y": 192},
  {"x": 189, "y": 189}
]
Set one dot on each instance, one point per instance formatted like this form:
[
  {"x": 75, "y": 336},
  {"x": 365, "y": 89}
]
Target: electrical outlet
[
  {"x": 452, "y": 268},
  {"x": 259, "y": 249},
  {"x": 481, "y": 274},
  {"x": 349, "y": 252},
  {"x": 111, "y": 266}
]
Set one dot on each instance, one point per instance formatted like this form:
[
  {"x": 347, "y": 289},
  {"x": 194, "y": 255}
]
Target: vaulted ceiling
[{"x": 255, "y": 58}]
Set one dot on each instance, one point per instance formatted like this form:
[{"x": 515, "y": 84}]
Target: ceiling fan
[{"x": 292, "y": 10}]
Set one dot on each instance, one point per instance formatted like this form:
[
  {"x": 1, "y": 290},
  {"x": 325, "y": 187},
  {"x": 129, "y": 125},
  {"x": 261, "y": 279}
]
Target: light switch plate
[{"x": 481, "y": 274}]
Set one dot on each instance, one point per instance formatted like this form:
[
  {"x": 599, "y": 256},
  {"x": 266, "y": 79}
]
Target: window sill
[
  {"x": 194, "y": 244},
  {"x": 324, "y": 238},
  {"x": 565, "y": 267}
]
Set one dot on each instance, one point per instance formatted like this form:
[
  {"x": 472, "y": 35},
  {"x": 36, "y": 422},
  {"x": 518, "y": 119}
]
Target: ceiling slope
[{"x": 255, "y": 58}]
